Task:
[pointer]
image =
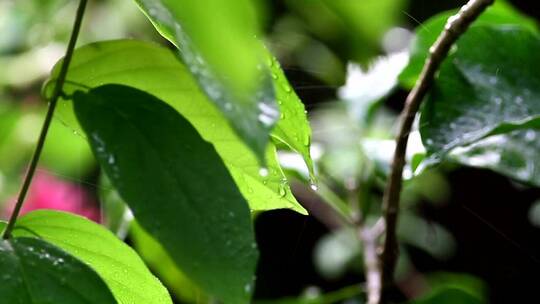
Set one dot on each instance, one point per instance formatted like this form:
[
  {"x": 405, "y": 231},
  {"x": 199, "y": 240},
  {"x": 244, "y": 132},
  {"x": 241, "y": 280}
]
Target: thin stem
[
  {"x": 48, "y": 119},
  {"x": 455, "y": 27},
  {"x": 369, "y": 237}
]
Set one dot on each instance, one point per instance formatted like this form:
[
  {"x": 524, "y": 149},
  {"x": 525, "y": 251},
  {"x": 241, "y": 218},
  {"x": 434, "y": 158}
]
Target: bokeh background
[{"x": 465, "y": 225}]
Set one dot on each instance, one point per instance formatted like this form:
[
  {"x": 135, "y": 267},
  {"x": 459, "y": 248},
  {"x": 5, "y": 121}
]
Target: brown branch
[
  {"x": 455, "y": 27},
  {"x": 369, "y": 237}
]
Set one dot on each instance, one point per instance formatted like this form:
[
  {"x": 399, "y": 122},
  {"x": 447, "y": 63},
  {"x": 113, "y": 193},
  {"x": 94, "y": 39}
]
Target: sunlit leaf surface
[{"x": 154, "y": 69}]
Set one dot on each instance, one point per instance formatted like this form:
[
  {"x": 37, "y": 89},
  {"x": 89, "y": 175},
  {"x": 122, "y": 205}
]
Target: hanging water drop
[
  {"x": 313, "y": 184},
  {"x": 306, "y": 141},
  {"x": 282, "y": 191}
]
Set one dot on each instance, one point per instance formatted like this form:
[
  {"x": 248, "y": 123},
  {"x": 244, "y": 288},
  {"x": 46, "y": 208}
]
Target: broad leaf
[
  {"x": 154, "y": 69},
  {"x": 157, "y": 258},
  {"x": 176, "y": 185},
  {"x": 117, "y": 264},
  {"x": 35, "y": 272},
  {"x": 222, "y": 52},
  {"x": 515, "y": 154},
  {"x": 482, "y": 93},
  {"x": 499, "y": 13}
]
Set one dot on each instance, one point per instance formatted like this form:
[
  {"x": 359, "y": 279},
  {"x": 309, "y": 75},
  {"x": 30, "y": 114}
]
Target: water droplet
[
  {"x": 313, "y": 185},
  {"x": 111, "y": 159},
  {"x": 282, "y": 116},
  {"x": 306, "y": 141},
  {"x": 274, "y": 76},
  {"x": 248, "y": 287},
  {"x": 263, "y": 172},
  {"x": 250, "y": 190},
  {"x": 228, "y": 106},
  {"x": 530, "y": 135},
  {"x": 281, "y": 190},
  {"x": 287, "y": 88}
]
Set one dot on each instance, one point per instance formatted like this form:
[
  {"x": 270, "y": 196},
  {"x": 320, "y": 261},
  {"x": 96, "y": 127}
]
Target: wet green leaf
[
  {"x": 154, "y": 69},
  {"x": 479, "y": 93},
  {"x": 515, "y": 154},
  {"x": 500, "y": 13},
  {"x": 293, "y": 127},
  {"x": 117, "y": 264},
  {"x": 176, "y": 185},
  {"x": 34, "y": 271},
  {"x": 222, "y": 52}
]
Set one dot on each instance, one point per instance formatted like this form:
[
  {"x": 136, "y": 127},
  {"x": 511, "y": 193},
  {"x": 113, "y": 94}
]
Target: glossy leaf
[
  {"x": 515, "y": 154},
  {"x": 34, "y": 271},
  {"x": 500, "y": 13},
  {"x": 222, "y": 52},
  {"x": 117, "y": 264},
  {"x": 176, "y": 185},
  {"x": 293, "y": 127},
  {"x": 154, "y": 69},
  {"x": 481, "y": 93}
]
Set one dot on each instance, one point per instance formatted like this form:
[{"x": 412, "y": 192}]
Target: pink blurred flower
[{"x": 50, "y": 192}]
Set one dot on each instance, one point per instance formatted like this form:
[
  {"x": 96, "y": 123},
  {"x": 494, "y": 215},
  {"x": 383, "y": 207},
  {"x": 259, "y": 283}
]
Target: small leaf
[
  {"x": 116, "y": 263},
  {"x": 293, "y": 127},
  {"x": 35, "y": 272},
  {"x": 222, "y": 52},
  {"x": 500, "y": 13},
  {"x": 480, "y": 93},
  {"x": 449, "y": 296},
  {"x": 176, "y": 185},
  {"x": 155, "y": 70}
]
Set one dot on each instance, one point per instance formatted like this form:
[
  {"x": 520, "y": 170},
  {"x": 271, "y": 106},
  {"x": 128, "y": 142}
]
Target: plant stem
[
  {"x": 455, "y": 27},
  {"x": 369, "y": 237},
  {"x": 48, "y": 119}
]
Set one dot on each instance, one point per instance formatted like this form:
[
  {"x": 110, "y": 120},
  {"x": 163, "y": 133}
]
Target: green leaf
[
  {"x": 479, "y": 93},
  {"x": 159, "y": 260},
  {"x": 293, "y": 127},
  {"x": 515, "y": 154},
  {"x": 34, "y": 271},
  {"x": 117, "y": 264},
  {"x": 176, "y": 185},
  {"x": 449, "y": 296},
  {"x": 154, "y": 69},
  {"x": 222, "y": 52},
  {"x": 116, "y": 215},
  {"x": 500, "y": 13}
]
